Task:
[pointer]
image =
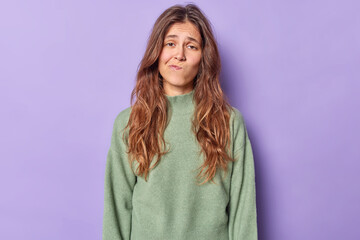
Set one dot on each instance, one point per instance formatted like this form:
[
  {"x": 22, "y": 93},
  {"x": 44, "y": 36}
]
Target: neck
[{"x": 181, "y": 104}]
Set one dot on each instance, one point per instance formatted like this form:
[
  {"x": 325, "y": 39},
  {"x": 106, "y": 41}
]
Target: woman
[{"x": 180, "y": 130}]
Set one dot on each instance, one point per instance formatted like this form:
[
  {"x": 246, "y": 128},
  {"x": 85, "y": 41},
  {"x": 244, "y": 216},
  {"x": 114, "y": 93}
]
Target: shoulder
[
  {"x": 238, "y": 130},
  {"x": 123, "y": 115},
  {"x": 122, "y": 118},
  {"x": 236, "y": 118}
]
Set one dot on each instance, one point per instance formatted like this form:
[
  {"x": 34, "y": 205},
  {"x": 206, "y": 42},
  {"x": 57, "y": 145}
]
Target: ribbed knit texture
[{"x": 170, "y": 206}]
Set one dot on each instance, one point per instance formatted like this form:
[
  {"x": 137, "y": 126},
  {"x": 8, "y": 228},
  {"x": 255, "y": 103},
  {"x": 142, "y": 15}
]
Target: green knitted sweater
[{"x": 170, "y": 205}]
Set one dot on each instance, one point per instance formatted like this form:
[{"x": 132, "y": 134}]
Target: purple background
[{"x": 67, "y": 69}]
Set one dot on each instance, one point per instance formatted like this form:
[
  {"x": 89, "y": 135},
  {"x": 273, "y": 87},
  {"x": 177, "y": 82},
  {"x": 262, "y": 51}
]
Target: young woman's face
[{"x": 182, "y": 48}]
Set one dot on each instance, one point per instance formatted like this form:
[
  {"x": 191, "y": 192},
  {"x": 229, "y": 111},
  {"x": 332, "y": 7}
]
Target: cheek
[
  {"x": 196, "y": 62},
  {"x": 164, "y": 57}
]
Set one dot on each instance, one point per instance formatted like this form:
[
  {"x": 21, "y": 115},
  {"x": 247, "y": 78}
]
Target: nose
[{"x": 180, "y": 55}]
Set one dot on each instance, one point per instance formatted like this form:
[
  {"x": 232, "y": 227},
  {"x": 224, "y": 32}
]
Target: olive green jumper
[{"x": 170, "y": 205}]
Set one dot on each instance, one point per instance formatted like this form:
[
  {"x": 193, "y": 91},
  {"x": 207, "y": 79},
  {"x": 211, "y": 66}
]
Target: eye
[{"x": 191, "y": 46}]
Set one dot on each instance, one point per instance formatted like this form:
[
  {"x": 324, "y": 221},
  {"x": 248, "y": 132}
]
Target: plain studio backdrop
[{"x": 67, "y": 69}]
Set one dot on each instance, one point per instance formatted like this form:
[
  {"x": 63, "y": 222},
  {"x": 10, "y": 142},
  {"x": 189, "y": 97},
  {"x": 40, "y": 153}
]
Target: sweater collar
[{"x": 181, "y": 104}]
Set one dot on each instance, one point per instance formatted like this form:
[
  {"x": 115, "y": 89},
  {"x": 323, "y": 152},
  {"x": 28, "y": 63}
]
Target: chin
[
  {"x": 175, "y": 81},
  {"x": 178, "y": 82}
]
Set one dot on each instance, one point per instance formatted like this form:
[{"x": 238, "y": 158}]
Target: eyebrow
[{"x": 176, "y": 36}]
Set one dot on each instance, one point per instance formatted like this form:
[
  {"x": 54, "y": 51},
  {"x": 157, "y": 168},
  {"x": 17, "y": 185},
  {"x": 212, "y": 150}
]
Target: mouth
[{"x": 174, "y": 67}]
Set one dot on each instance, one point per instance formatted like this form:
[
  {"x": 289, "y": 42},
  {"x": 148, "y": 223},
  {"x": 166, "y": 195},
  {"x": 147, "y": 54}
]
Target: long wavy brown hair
[{"x": 148, "y": 118}]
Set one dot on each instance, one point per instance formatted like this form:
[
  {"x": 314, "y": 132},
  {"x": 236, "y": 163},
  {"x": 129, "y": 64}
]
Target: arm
[
  {"x": 242, "y": 206},
  {"x": 118, "y": 188}
]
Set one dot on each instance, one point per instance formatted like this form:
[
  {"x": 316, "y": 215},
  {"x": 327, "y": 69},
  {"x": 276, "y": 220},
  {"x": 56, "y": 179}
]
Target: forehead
[{"x": 186, "y": 29}]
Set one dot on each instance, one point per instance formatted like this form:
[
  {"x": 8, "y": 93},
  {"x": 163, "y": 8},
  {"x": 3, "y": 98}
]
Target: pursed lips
[{"x": 175, "y": 67}]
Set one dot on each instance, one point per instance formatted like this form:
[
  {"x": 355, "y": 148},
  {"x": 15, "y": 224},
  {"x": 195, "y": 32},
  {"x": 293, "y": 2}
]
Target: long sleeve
[
  {"x": 242, "y": 206},
  {"x": 118, "y": 187}
]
